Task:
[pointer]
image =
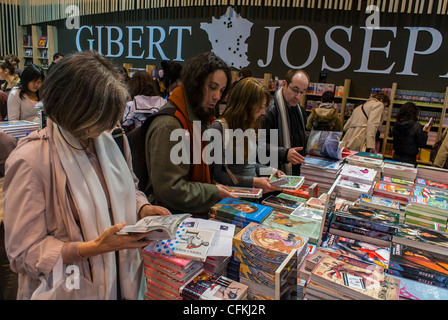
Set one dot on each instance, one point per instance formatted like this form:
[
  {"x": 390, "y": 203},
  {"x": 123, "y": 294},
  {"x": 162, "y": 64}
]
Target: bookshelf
[{"x": 34, "y": 49}]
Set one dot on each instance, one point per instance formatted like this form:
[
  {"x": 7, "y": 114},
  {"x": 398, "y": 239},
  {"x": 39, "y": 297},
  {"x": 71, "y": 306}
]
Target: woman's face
[
  {"x": 261, "y": 110},
  {"x": 34, "y": 85},
  {"x": 3, "y": 73}
]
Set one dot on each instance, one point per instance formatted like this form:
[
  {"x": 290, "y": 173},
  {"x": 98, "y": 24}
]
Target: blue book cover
[
  {"x": 414, "y": 290},
  {"x": 241, "y": 210}
]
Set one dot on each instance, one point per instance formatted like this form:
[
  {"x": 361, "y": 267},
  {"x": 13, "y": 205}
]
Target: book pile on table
[
  {"x": 239, "y": 212},
  {"x": 399, "y": 171},
  {"x": 295, "y": 224},
  {"x": 432, "y": 173},
  {"x": 268, "y": 261},
  {"x": 369, "y": 225},
  {"x": 322, "y": 171},
  {"x": 336, "y": 279},
  {"x": 350, "y": 190},
  {"x": 397, "y": 181},
  {"x": 359, "y": 174},
  {"x": 420, "y": 265},
  {"x": 19, "y": 128},
  {"x": 375, "y": 202},
  {"x": 399, "y": 192},
  {"x": 283, "y": 202},
  {"x": 166, "y": 275},
  {"x": 431, "y": 184},
  {"x": 367, "y": 162},
  {"x": 209, "y": 286},
  {"x": 428, "y": 207},
  {"x": 215, "y": 264}
]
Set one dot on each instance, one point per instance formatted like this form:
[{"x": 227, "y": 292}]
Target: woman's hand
[
  {"x": 265, "y": 184},
  {"x": 150, "y": 210},
  {"x": 224, "y": 192},
  {"x": 279, "y": 174}
]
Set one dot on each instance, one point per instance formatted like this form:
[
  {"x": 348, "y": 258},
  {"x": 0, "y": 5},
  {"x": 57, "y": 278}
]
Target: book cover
[
  {"x": 237, "y": 209},
  {"x": 308, "y": 213},
  {"x": 194, "y": 244},
  {"x": 370, "y": 155},
  {"x": 365, "y": 251},
  {"x": 294, "y": 224},
  {"x": 242, "y": 192},
  {"x": 316, "y": 203},
  {"x": 414, "y": 290},
  {"x": 360, "y": 233},
  {"x": 225, "y": 289},
  {"x": 380, "y": 203},
  {"x": 162, "y": 227},
  {"x": 437, "y": 199},
  {"x": 42, "y": 42},
  {"x": 397, "y": 181},
  {"x": 423, "y": 238},
  {"x": 355, "y": 282},
  {"x": 388, "y": 188},
  {"x": 374, "y": 219},
  {"x": 271, "y": 245},
  {"x": 291, "y": 197},
  {"x": 358, "y": 174},
  {"x": 429, "y": 183},
  {"x": 280, "y": 204},
  {"x": 291, "y": 182}
]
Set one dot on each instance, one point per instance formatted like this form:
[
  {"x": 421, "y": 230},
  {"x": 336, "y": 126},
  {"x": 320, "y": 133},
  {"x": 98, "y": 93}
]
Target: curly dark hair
[{"x": 195, "y": 72}]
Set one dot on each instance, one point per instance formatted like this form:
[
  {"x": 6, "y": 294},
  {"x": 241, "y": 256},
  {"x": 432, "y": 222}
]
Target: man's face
[
  {"x": 294, "y": 92},
  {"x": 58, "y": 59}
]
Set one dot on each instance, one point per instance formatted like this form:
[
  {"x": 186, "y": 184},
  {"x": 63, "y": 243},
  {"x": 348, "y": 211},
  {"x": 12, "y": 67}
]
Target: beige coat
[
  {"x": 37, "y": 225},
  {"x": 442, "y": 154},
  {"x": 360, "y": 132},
  {"x": 19, "y": 109}
]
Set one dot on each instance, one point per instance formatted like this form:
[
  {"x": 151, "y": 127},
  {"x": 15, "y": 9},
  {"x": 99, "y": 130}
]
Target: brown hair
[
  {"x": 243, "y": 102},
  {"x": 292, "y": 72},
  {"x": 142, "y": 84},
  {"x": 7, "y": 65},
  {"x": 84, "y": 91}
]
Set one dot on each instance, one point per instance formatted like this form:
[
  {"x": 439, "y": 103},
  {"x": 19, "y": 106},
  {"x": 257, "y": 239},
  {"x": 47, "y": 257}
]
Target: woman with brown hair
[
  {"x": 69, "y": 189},
  {"x": 145, "y": 99},
  {"x": 246, "y": 103}
]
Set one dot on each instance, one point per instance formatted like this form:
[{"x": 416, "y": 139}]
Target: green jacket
[{"x": 169, "y": 184}]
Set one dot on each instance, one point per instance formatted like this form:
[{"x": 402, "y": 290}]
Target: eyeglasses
[{"x": 297, "y": 91}]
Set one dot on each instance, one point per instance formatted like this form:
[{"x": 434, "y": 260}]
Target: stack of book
[
  {"x": 241, "y": 192},
  {"x": 19, "y": 128},
  {"x": 350, "y": 190},
  {"x": 239, "y": 212},
  {"x": 322, "y": 171},
  {"x": 359, "y": 160},
  {"x": 387, "y": 179},
  {"x": 359, "y": 250},
  {"x": 295, "y": 224},
  {"x": 214, "y": 264},
  {"x": 209, "y": 286},
  {"x": 410, "y": 262},
  {"x": 368, "y": 225},
  {"x": 393, "y": 191},
  {"x": 287, "y": 182},
  {"x": 375, "y": 202},
  {"x": 166, "y": 275},
  {"x": 336, "y": 279},
  {"x": 399, "y": 171},
  {"x": 268, "y": 260},
  {"x": 431, "y": 184},
  {"x": 428, "y": 207},
  {"x": 432, "y": 173},
  {"x": 359, "y": 174}
]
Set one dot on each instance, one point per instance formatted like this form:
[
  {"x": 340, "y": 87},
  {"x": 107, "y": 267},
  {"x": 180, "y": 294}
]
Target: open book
[{"x": 164, "y": 227}]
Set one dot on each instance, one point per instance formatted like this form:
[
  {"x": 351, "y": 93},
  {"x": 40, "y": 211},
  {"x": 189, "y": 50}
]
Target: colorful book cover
[
  {"x": 237, "y": 209},
  {"x": 362, "y": 250},
  {"x": 282, "y": 204},
  {"x": 225, "y": 289},
  {"x": 293, "y": 182},
  {"x": 358, "y": 174},
  {"x": 414, "y": 290},
  {"x": 429, "y": 183},
  {"x": 393, "y": 189},
  {"x": 265, "y": 243},
  {"x": 371, "y": 218},
  {"x": 369, "y": 155},
  {"x": 397, "y": 181},
  {"x": 308, "y": 213},
  {"x": 316, "y": 203},
  {"x": 194, "y": 244},
  {"x": 421, "y": 236},
  {"x": 373, "y": 201},
  {"x": 294, "y": 224},
  {"x": 354, "y": 281},
  {"x": 437, "y": 199},
  {"x": 360, "y": 231},
  {"x": 245, "y": 192},
  {"x": 291, "y": 197},
  {"x": 353, "y": 186}
]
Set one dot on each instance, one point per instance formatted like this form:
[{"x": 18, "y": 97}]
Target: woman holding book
[
  {"x": 23, "y": 98},
  {"x": 69, "y": 189},
  {"x": 246, "y": 103},
  {"x": 409, "y": 135}
]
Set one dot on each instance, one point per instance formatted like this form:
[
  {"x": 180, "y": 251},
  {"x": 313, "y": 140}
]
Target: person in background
[
  {"x": 186, "y": 186},
  {"x": 145, "y": 100},
  {"x": 8, "y": 278},
  {"x": 409, "y": 135},
  {"x": 69, "y": 189},
  {"x": 7, "y": 73},
  {"x": 169, "y": 77},
  {"x": 24, "y": 97},
  {"x": 285, "y": 115},
  {"x": 14, "y": 60},
  {"x": 442, "y": 154},
  {"x": 325, "y": 116},
  {"x": 361, "y": 128},
  {"x": 245, "y": 104},
  {"x": 56, "y": 58}
]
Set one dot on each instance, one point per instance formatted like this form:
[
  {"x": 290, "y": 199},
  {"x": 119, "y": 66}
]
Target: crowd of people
[{"x": 69, "y": 187}]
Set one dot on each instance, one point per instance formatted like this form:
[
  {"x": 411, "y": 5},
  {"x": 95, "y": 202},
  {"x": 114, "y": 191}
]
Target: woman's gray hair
[{"x": 82, "y": 91}]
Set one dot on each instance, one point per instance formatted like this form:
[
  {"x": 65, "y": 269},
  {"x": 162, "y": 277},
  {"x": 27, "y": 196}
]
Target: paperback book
[
  {"x": 287, "y": 182},
  {"x": 370, "y": 201},
  {"x": 240, "y": 210},
  {"x": 280, "y": 204},
  {"x": 422, "y": 238},
  {"x": 242, "y": 192}
]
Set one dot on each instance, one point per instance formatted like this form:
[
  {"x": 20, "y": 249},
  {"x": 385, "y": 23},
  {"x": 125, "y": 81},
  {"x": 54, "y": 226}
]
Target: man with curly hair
[{"x": 187, "y": 186}]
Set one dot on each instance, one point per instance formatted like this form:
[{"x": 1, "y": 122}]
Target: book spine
[{"x": 417, "y": 271}]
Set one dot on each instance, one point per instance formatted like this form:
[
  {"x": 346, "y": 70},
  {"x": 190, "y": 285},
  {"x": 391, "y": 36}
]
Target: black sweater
[{"x": 408, "y": 138}]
